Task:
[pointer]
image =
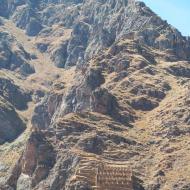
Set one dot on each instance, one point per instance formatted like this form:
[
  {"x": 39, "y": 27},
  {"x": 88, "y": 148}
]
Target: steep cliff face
[
  {"x": 119, "y": 101},
  {"x": 97, "y": 25},
  {"x": 13, "y": 56}
]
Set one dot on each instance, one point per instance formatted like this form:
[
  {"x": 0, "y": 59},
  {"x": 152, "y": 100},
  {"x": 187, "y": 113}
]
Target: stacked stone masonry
[{"x": 104, "y": 176}]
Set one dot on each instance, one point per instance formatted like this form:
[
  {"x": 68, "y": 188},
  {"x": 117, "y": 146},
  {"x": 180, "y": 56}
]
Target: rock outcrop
[
  {"x": 38, "y": 159},
  {"x": 96, "y": 83},
  {"x": 93, "y": 30},
  {"x": 11, "y": 125},
  {"x": 14, "y": 94},
  {"x": 13, "y": 56}
]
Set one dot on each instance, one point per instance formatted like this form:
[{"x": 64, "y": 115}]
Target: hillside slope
[{"x": 101, "y": 96}]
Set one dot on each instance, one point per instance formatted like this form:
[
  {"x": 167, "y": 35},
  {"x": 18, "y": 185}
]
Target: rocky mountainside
[{"x": 92, "y": 93}]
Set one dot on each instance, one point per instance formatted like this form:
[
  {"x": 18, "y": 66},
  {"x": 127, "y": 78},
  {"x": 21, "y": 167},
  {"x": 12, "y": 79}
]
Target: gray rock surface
[
  {"x": 33, "y": 27},
  {"x": 119, "y": 97},
  {"x": 14, "y": 94},
  {"x": 11, "y": 125},
  {"x": 13, "y": 56},
  {"x": 97, "y": 25}
]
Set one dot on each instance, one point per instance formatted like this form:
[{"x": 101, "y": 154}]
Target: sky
[{"x": 176, "y": 12}]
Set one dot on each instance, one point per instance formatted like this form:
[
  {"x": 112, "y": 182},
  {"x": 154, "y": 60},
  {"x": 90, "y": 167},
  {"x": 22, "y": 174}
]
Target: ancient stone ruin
[
  {"x": 105, "y": 176},
  {"x": 111, "y": 177}
]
